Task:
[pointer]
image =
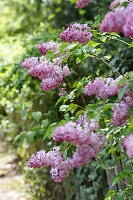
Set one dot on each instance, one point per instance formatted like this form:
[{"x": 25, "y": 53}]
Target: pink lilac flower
[
  {"x": 50, "y": 73},
  {"x": 83, "y": 155},
  {"x": 103, "y": 88},
  {"x": 76, "y": 32},
  {"x": 116, "y": 2},
  {"x": 59, "y": 168},
  {"x": 60, "y": 171},
  {"x": 121, "y": 20},
  {"x": 120, "y": 115},
  {"x": 52, "y": 158},
  {"x": 85, "y": 152},
  {"x": 128, "y": 27},
  {"x": 31, "y": 62},
  {"x": 66, "y": 71},
  {"x": 77, "y": 132},
  {"x": 113, "y": 22},
  {"x": 38, "y": 160},
  {"x": 83, "y": 3},
  {"x": 62, "y": 92},
  {"x": 127, "y": 145},
  {"x": 43, "y": 48}
]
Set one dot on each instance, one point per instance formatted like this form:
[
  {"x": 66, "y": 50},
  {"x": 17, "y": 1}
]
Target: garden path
[{"x": 12, "y": 185}]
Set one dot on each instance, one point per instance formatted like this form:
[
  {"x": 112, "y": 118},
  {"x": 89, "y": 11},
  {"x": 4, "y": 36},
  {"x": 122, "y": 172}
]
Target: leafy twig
[{"x": 112, "y": 68}]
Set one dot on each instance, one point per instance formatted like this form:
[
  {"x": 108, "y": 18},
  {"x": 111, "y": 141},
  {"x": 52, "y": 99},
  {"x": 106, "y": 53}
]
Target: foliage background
[{"x": 25, "y": 24}]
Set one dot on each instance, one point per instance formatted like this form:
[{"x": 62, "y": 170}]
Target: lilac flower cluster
[
  {"x": 43, "y": 48},
  {"x": 80, "y": 133},
  {"x": 76, "y": 32},
  {"x": 112, "y": 5},
  {"x": 50, "y": 73},
  {"x": 76, "y": 132},
  {"x": 62, "y": 92},
  {"x": 59, "y": 168},
  {"x": 121, "y": 20},
  {"x": 103, "y": 88},
  {"x": 120, "y": 115},
  {"x": 83, "y": 3},
  {"x": 52, "y": 158},
  {"x": 127, "y": 145}
]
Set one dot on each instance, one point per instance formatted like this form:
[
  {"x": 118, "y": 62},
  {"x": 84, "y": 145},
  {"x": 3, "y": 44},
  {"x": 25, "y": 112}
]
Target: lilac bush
[{"x": 86, "y": 130}]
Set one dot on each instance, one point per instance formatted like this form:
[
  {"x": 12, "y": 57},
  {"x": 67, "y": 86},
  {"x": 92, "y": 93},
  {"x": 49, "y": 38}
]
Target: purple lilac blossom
[
  {"x": 77, "y": 132},
  {"x": 50, "y": 73},
  {"x": 127, "y": 145},
  {"x": 120, "y": 115},
  {"x": 52, "y": 158},
  {"x": 121, "y": 20},
  {"x": 116, "y": 2},
  {"x": 62, "y": 92},
  {"x": 76, "y": 32},
  {"x": 113, "y": 21},
  {"x": 128, "y": 27},
  {"x": 43, "y": 48},
  {"x": 103, "y": 88},
  {"x": 83, "y": 3},
  {"x": 60, "y": 171}
]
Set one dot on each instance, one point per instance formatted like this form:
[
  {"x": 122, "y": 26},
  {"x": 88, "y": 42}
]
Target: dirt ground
[{"x": 12, "y": 185}]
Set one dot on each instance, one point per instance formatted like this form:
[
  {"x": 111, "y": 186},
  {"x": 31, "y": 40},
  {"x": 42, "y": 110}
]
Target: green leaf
[
  {"x": 62, "y": 122},
  {"x": 131, "y": 45},
  {"x": 98, "y": 72},
  {"x": 122, "y": 92},
  {"x": 50, "y": 54},
  {"x": 37, "y": 115},
  {"x": 20, "y": 138},
  {"x": 110, "y": 194},
  {"x": 64, "y": 108},
  {"x": 45, "y": 123},
  {"x": 116, "y": 180},
  {"x": 80, "y": 112},
  {"x": 72, "y": 46},
  {"x": 103, "y": 38},
  {"x": 64, "y": 152},
  {"x": 93, "y": 43},
  {"x": 31, "y": 134},
  {"x": 72, "y": 107},
  {"x": 130, "y": 111},
  {"x": 50, "y": 130},
  {"x": 116, "y": 5},
  {"x": 125, "y": 3},
  {"x": 17, "y": 138},
  {"x": 78, "y": 60},
  {"x": 24, "y": 113},
  {"x": 111, "y": 149},
  {"x": 111, "y": 129},
  {"x": 120, "y": 196},
  {"x": 59, "y": 100},
  {"x": 107, "y": 106}
]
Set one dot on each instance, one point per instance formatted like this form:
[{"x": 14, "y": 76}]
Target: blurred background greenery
[{"x": 24, "y": 25}]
